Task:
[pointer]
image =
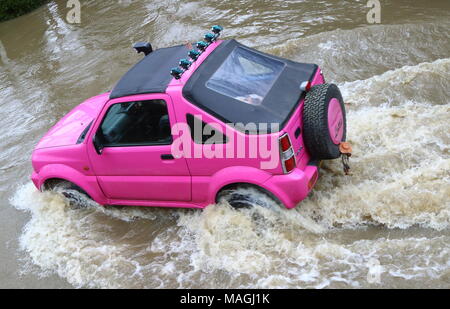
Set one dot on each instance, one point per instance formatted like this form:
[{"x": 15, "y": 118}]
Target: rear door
[{"x": 136, "y": 162}]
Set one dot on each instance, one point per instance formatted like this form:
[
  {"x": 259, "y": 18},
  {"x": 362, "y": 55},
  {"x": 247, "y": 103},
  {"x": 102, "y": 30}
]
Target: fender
[
  {"x": 88, "y": 183},
  {"x": 238, "y": 174}
]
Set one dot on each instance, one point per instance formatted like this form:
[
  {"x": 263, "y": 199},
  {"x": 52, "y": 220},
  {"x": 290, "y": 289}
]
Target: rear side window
[
  {"x": 207, "y": 135},
  {"x": 136, "y": 123}
]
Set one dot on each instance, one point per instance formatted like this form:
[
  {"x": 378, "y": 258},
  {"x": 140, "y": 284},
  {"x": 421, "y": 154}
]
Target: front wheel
[{"x": 76, "y": 196}]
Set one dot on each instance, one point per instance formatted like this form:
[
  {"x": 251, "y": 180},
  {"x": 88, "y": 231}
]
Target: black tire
[
  {"x": 247, "y": 197},
  {"x": 76, "y": 196},
  {"x": 316, "y": 134}
]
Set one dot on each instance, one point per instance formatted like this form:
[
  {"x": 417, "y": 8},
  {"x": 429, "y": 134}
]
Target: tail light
[
  {"x": 305, "y": 86},
  {"x": 287, "y": 154}
]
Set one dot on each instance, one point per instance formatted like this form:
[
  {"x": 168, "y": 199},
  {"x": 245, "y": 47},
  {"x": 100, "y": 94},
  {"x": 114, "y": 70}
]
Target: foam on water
[
  {"x": 426, "y": 83},
  {"x": 390, "y": 218}
]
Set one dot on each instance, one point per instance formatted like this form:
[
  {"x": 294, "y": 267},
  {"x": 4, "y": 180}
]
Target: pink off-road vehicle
[{"x": 186, "y": 127}]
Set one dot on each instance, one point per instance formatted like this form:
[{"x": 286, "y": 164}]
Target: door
[{"x": 136, "y": 162}]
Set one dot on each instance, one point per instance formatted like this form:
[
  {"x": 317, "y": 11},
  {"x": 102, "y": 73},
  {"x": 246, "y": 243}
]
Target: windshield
[{"x": 246, "y": 76}]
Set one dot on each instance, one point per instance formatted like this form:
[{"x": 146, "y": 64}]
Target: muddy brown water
[{"x": 391, "y": 217}]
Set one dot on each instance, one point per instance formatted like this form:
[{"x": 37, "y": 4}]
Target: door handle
[{"x": 167, "y": 157}]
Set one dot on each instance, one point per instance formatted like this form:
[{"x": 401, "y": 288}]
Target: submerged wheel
[
  {"x": 74, "y": 194},
  {"x": 247, "y": 197},
  {"x": 324, "y": 122}
]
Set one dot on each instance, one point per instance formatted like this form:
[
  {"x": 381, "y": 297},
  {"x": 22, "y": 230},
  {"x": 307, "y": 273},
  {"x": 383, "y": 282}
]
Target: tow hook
[{"x": 346, "y": 152}]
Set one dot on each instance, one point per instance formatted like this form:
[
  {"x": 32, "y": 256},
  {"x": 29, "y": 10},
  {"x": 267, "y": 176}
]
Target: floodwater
[{"x": 385, "y": 226}]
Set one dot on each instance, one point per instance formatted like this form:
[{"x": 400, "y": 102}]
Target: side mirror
[{"x": 98, "y": 145}]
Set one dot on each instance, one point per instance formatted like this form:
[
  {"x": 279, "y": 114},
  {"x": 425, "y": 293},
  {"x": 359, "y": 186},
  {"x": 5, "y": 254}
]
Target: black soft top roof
[
  {"x": 151, "y": 74},
  {"x": 283, "y": 96}
]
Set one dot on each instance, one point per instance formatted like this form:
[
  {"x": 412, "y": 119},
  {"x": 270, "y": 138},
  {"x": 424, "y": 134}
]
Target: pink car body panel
[
  {"x": 67, "y": 130},
  {"x": 335, "y": 121},
  {"x": 137, "y": 176}
]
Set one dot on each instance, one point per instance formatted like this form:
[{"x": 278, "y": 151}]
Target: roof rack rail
[{"x": 193, "y": 54}]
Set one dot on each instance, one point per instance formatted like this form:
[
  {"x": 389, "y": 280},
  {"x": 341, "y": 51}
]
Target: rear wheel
[
  {"x": 247, "y": 197},
  {"x": 324, "y": 122}
]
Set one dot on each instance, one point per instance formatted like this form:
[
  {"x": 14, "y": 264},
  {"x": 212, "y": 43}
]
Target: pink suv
[{"x": 191, "y": 135}]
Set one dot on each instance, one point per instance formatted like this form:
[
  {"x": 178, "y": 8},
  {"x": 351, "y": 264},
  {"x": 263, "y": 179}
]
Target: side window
[
  {"x": 215, "y": 137},
  {"x": 137, "y": 123}
]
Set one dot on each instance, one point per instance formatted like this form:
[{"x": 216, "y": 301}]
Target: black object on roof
[
  {"x": 151, "y": 74},
  {"x": 279, "y": 98}
]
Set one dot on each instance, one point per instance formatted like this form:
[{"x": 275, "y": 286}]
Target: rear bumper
[{"x": 294, "y": 187}]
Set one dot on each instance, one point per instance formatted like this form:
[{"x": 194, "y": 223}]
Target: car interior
[{"x": 136, "y": 124}]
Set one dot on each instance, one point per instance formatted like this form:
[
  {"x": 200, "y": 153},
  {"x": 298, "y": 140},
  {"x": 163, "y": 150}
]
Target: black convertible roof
[
  {"x": 283, "y": 96},
  {"x": 151, "y": 74}
]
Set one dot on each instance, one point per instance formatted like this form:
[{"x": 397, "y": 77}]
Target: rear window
[{"x": 246, "y": 76}]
